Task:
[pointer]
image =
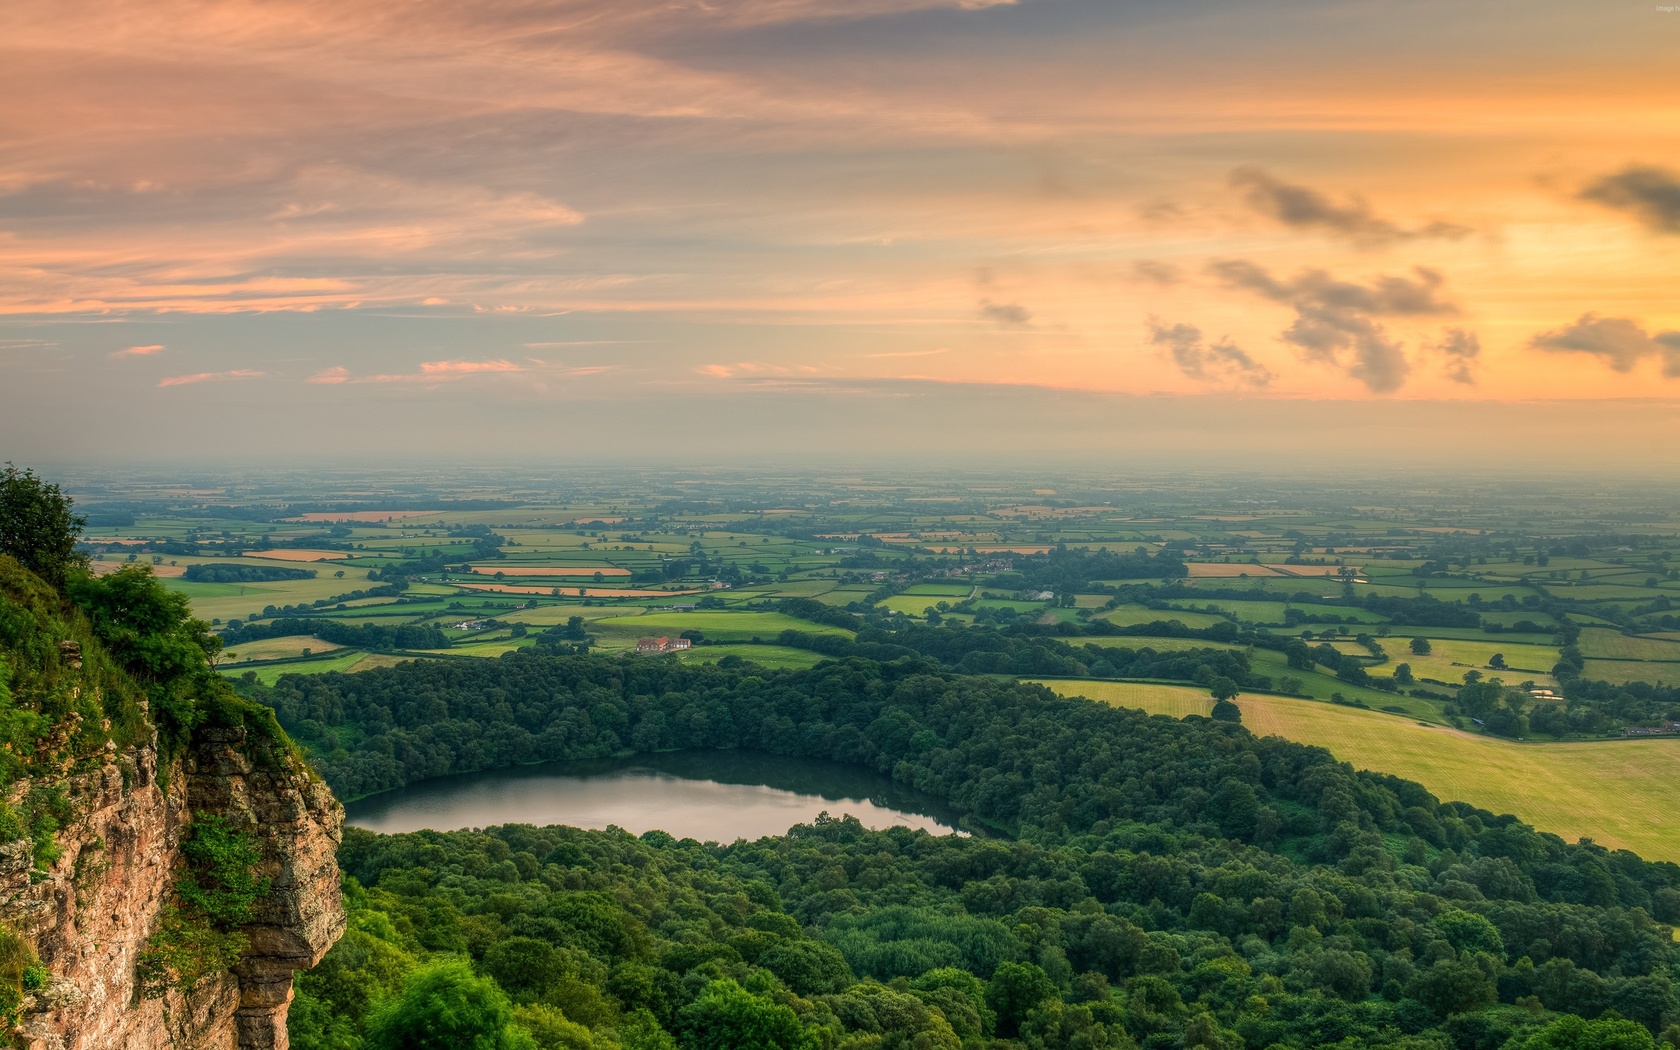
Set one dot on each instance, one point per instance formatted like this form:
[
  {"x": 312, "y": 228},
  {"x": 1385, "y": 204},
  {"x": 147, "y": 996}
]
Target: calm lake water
[{"x": 708, "y": 795}]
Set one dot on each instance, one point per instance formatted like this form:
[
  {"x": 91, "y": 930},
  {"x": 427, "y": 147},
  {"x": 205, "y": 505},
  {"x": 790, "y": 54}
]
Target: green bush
[
  {"x": 447, "y": 1007},
  {"x": 198, "y": 933},
  {"x": 20, "y": 971}
]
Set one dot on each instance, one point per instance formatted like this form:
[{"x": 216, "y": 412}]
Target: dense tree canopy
[{"x": 1170, "y": 883}]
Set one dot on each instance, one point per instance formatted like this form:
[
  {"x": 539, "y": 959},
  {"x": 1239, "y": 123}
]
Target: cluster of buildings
[
  {"x": 656, "y": 646},
  {"x": 1666, "y": 729}
]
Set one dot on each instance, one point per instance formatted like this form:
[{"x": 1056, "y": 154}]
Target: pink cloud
[
  {"x": 211, "y": 377},
  {"x": 441, "y": 371},
  {"x": 139, "y": 351},
  {"x": 434, "y": 369}
]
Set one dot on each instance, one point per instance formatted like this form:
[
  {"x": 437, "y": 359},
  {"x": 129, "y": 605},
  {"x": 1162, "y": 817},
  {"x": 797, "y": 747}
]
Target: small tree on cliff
[{"x": 38, "y": 526}]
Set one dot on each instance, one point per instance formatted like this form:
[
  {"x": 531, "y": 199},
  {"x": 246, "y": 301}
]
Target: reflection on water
[{"x": 708, "y": 795}]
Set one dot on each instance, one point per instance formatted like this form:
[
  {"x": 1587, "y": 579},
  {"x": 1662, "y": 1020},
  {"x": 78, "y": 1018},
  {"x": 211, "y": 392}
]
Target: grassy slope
[{"x": 1615, "y": 792}]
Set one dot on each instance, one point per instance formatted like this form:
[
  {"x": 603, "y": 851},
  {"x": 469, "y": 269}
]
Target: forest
[{"x": 1164, "y": 883}]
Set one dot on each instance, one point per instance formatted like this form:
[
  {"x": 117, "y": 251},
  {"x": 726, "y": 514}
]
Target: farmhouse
[
  {"x": 655, "y": 646},
  {"x": 1666, "y": 729}
]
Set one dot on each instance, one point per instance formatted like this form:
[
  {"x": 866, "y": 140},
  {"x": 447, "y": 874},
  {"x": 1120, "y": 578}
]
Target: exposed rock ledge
[{"x": 92, "y": 915}]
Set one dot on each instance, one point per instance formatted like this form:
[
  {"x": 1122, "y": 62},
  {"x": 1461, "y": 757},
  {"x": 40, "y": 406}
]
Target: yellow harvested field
[
  {"x": 1221, "y": 570},
  {"x": 275, "y": 649},
  {"x": 549, "y": 570},
  {"x": 298, "y": 555},
  {"x": 1174, "y": 700},
  {"x": 1616, "y": 792}
]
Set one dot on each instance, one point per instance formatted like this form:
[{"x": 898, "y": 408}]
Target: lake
[{"x": 707, "y": 795}]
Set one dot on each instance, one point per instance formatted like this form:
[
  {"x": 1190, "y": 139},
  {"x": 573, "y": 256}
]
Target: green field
[
  {"x": 1615, "y": 787},
  {"x": 273, "y": 649},
  {"x": 913, "y": 604},
  {"x": 1271, "y": 612},
  {"x": 1321, "y": 686},
  {"x": 1619, "y": 672},
  {"x": 268, "y": 674},
  {"x": 1160, "y": 645},
  {"x": 1127, "y": 615},
  {"x": 722, "y": 626}
]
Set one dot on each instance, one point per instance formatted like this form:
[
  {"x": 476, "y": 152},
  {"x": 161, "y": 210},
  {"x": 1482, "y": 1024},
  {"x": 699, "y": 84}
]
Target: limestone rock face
[{"x": 90, "y": 916}]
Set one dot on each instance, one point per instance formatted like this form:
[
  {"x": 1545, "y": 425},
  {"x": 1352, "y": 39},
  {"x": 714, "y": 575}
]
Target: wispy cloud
[
  {"x": 1303, "y": 207},
  {"x": 211, "y": 377},
  {"x": 430, "y": 372},
  {"x": 1154, "y": 271},
  {"x": 911, "y": 353},
  {"x": 138, "y": 351}
]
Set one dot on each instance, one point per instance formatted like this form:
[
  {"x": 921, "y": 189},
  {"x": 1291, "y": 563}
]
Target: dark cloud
[
  {"x": 1009, "y": 315},
  {"x": 1335, "y": 321},
  {"x": 1652, "y": 194},
  {"x": 1155, "y": 271},
  {"x": 1461, "y": 348},
  {"x": 1223, "y": 361},
  {"x": 1620, "y": 342},
  {"x": 1303, "y": 207}
]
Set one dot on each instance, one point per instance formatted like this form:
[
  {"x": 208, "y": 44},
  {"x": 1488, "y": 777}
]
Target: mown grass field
[
  {"x": 1614, "y": 645},
  {"x": 776, "y": 657},
  {"x": 1616, "y": 792}
]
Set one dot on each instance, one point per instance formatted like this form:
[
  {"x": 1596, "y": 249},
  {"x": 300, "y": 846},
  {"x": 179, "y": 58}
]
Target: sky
[{"x": 738, "y": 228}]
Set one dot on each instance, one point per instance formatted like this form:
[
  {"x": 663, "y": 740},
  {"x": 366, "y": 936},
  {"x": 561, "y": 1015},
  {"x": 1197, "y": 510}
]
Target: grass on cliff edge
[{"x": 1618, "y": 793}]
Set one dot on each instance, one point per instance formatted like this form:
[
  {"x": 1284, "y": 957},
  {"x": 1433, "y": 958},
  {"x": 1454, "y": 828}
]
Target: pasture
[
  {"x": 1450, "y": 658},
  {"x": 1596, "y": 642},
  {"x": 1620, "y": 672}
]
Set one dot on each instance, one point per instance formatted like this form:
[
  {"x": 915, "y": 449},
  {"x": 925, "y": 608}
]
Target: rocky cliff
[
  {"x": 87, "y": 889},
  {"x": 89, "y": 917}
]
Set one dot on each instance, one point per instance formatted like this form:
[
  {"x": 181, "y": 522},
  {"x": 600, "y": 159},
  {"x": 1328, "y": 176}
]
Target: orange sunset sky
[{"x": 220, "y": 219}]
